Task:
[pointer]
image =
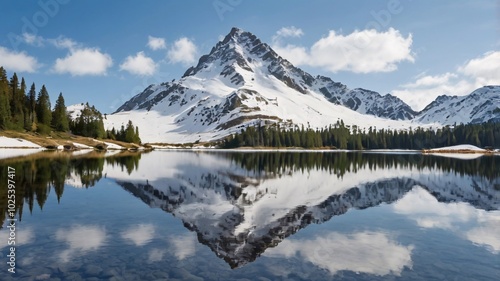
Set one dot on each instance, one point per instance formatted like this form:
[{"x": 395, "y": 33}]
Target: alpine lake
[{"x": 251, "y": 215}]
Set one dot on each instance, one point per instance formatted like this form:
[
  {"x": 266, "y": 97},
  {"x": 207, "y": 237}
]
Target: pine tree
[
  {"x": 17, "y": 103},
  {"x": 129, "y": 132},
  {"x": 43, "y": 112},
  {"x": 60, "y": 120},
  {"x": 137, "y": 139},
  {"x": 89, "y": 123},
  {"x": 4, "y": 100},
  {"x": 31, "y": 108},
  {"x": 4, "y": 111}
]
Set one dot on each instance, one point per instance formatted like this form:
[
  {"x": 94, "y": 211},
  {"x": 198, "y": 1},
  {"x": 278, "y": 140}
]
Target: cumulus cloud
[
  {"x": 156, "y": 43},
  {"x": 182, "y": 51},
  {"x": 368, "y": 252},
  {"x": 17, "y": 61},
  {"x": 80, "y": 239},
  {"x": 362, "y": 51},
  {"x": 484, "y": 70},
  {"x": 139, "y": 235},
  {"x": 473, "y": 74},
  {"x": 139, "y": 65},
  {"x": 85, "y": 61},
  {"x": 427, "y": 88}
]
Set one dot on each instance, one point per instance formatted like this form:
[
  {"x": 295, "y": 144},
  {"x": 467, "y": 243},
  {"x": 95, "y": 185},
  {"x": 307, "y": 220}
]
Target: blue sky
[{"x": 104, "y": 52}]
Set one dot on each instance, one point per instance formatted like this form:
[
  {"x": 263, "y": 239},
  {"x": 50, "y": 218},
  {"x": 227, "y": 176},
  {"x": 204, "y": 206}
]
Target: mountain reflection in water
[{"x": 246, "y": 204}]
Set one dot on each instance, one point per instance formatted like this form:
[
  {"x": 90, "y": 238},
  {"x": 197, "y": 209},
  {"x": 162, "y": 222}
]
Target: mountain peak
[
  {"x": 236, "y": 35},
  {"x": 235, "y": 32},
  {"x": 237, "y": 50}
]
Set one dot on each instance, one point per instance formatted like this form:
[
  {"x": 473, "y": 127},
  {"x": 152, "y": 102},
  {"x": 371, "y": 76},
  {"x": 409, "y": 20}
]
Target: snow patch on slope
[{"x": 6, "y": 142}]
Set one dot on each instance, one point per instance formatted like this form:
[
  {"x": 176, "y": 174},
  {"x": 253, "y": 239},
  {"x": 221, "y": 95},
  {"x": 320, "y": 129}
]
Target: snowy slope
[
  {"x": 482, "y": 105},
  {"x": 75, "y": 110},
  {"x": 6, "y": 142}
]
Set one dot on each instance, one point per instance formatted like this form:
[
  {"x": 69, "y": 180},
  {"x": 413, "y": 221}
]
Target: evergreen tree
[
  {"x": 31, "y": 108},
  {"x": 129, "y": 132},
  {"x": 60, "y": 120},
  {"x": 4, "y": 111},
  {"x": 4, "y": 100},
  {"x": 17, "y": 102},
  {"x": 89, "y": 123},
  {"x": 43, "y": 112},
  {"x": 137, "y": 139}
]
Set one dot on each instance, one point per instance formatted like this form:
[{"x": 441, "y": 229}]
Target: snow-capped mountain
[
  {"x": 482, "y": 105},
  {"x": 241, "y": 82}
]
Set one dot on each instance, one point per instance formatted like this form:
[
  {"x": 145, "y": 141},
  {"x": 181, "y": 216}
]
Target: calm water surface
[{"x": 253, "y": 216}]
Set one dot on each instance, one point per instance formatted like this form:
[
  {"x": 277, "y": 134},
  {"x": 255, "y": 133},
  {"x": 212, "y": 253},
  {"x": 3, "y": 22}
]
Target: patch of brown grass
[{"x": 61, "y": 138}]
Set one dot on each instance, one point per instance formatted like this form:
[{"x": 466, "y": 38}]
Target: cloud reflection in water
[
  {"x": 367, "y": 252},
  {"x": 80, "y": 240},
  {"x": 139, "y": 235},
  {"x": 479, "y": 226}
]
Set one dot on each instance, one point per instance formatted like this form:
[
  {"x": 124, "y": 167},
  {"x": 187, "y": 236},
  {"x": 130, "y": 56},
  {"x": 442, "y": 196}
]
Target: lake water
[{"x": 253, "y": 216}]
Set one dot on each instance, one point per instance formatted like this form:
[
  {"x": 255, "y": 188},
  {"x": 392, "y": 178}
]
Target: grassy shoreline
[{"x": 57, "y": 139}]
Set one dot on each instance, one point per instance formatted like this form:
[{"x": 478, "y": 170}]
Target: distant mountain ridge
[
  {"x": 243, "y": 81},
  {"x": 482, "y": 105}
]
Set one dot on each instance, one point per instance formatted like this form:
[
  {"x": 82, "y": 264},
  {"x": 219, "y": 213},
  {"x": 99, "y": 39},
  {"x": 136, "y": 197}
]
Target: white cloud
[
  {"x": 63, "y": 43},
  {"x": 86, "y": 61},
  {"x": 484, "y": 70},
  {"x": 295, "y": 54},
  {"x": 17, "y": 61},
  {"x": 156, "y": 43},
  {"x": 429, "y": 80},
  {"x": 362, "y": 51},
  {"x": 139, "y": 235},
  {"x": 426, "y": 89},
  {"x": 367, "y": 252},
  {"x": 60, "y": 42},
  {"x": 291, "y": 31},
  {"x": 183, "y": 51},
  {"x": 32, "y": 39},
  {"x": 184, "y": 246},
  {"x": 473, "y": 74},
  {"x": 80, "y": 240},
  {"x": 139, "y": 65}
]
